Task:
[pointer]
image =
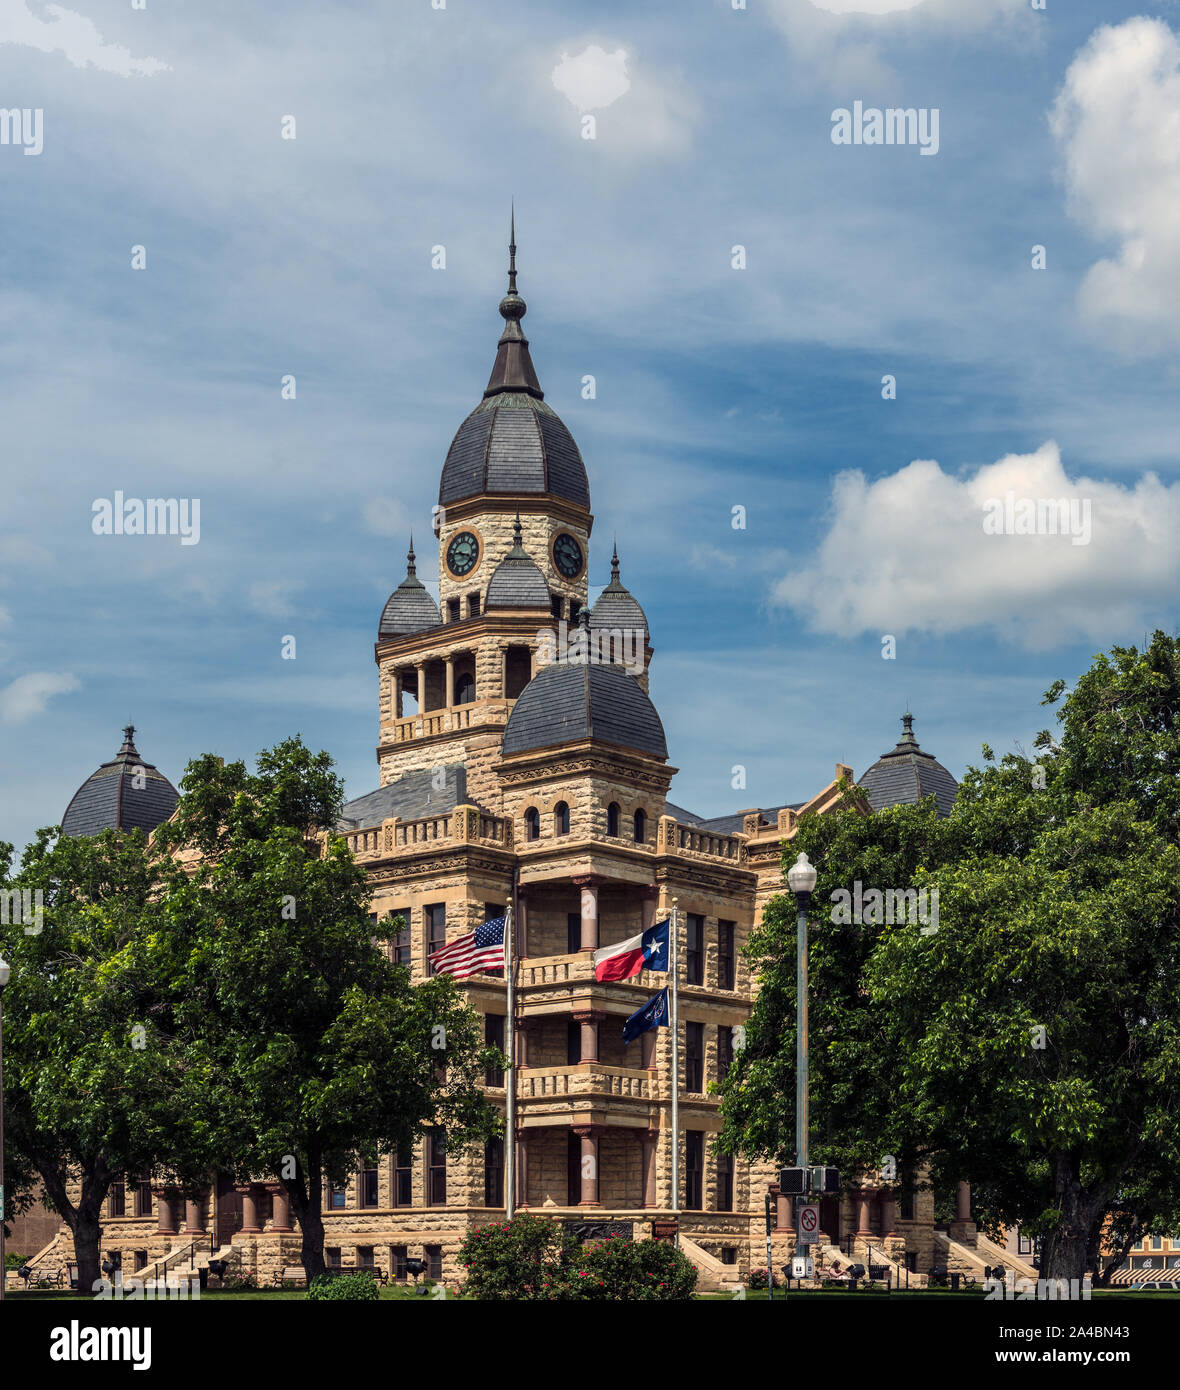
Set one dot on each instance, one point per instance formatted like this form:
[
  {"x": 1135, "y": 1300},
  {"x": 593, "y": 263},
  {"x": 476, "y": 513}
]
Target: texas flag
[{"x": 647, "y": 951}]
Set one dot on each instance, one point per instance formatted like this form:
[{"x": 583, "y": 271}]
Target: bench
[{"x": 289, "y": 1274}]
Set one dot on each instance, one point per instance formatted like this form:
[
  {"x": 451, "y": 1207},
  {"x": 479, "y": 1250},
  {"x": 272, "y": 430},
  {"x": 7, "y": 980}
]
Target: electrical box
[{"x": 802, "y": 1267}]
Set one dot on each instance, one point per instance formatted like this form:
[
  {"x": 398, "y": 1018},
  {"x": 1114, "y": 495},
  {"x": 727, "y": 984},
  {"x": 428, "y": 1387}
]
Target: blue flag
[{"x": 654, "y": 1014}]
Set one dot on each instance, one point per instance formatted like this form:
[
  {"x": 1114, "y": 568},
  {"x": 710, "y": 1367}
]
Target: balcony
[
  {"x": 592, "y": 1080},
  {"x": 434, "y": 723},
  {"x": 465, "y": 825}
]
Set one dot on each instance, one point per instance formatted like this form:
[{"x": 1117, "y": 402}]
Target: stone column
[
  {"x": 165, "y": 1211},
  {"x": 504, "y": 672},
  {"x": 450, "y": 681},
  {"x": 397, "y": 693},
  {"x": 888, "y": 1213},
  {"x": 282, "y": 1207},
  {"x": 589, "y": 1019},
  {"x": 250, "y": 1223},
  {"x": 649, "y": 1140},
  {"x": 588, "y": 883},
  {"x": 521, "y": 1045},
  {"x": 864, "y": 1224},
  {"x": 588, "y": 1167},
  {"x": 963, "y": 1202},
  {"x": 522, "y": 923},
  {"x": 421, "y": 669},
  {"x": 648, "y": 904},
  {"x": 194, "y": 1218},
  {"x": 648, "y": 1042},
  {"x": 783, "y": 1215},
  {"x": 522, "y": 1170},
  {"x": 532, "y": 662}
]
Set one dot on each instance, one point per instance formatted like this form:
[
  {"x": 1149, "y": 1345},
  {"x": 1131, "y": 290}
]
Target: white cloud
[
  {"x": 1117, "y": 123},
  {"x": 909, "y": 553},
  {"x": 73, "y": 35},
  {"x": 864, "y": 6},
  {"x": 593, "y": 78},
  {"x": 274, "y": 598},
  {"x": 28, "y": 695}
]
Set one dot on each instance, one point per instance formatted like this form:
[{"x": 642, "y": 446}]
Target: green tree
[
  {"x": 316, "y": 1049},
  {"x": 90, "y": 1080}
]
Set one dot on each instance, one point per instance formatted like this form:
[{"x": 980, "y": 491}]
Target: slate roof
[
  {"x": 566, "y": 701},
  {"x": 513, "y": 442},
  {"x": 110, "y": 798},
  {"x": 409, "y": 608},
  {"x": 412, "y": 795},
  {"x": 517, "y": 581},
  {"x": 616, "y": 607},
  {"x": 731, "y": 824},
  {"x": 905, "y": 775}
]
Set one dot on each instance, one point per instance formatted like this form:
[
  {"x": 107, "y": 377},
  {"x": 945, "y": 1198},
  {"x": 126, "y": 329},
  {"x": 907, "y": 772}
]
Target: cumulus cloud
[
  {"x": 72, "y": 34},
  {"x": 910, "y": 553},
  {"x": 657, "y": 116},
  {"x": 593, "y": 78},
  {"x": 28, "y": 695},
  {"x": 1117, "y": 123}
]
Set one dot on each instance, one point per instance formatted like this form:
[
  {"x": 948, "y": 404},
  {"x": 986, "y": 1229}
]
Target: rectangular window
[
  {"x": 364, "y": 1256},
  {"x": 694, "y": 962},
  {"x": 493, "y": 910},
  {"x": 493, "y": 1036},
  {"x": 143, "y": 1197},
  {"x": 726, "y": 933},
  {"x": 332, "y": 1256},
  {"x": 337, "y": 1198},
  {"x": 725, "y": 1182},
  {"x": 724, "y": 1050},
  {"x": 141, "y": 1259},
  {"x": 401, "y": 942},
  {"x": 473, "y": 605},
  {"x": 437, "y": 1174},
  {"x": 369, "y": 1191},
  {"x": 1023, "y": 1245},
  {"x": 452, "y": 610},
  {"x": 729, "y": 1254},
  {"x": 573, "y": 1043},
  {"x": 403, "y": 1177},
  {"x": 433, "y": 1261},
  {"x": 573, "y": 933},
  {"x": 573, "y": 1170},
  {"x": 398, "y": 1254},
  {"x": 694, "y": 1154},
  {"x": 436, "y": 928},
  {"x": 1157, "y": 1242},
  {"x": 694, "y": 1057},
  {"x": 119, "y": 1198},
  {"x": 493, "y": 1173},
  {"x": 555, "y": 605}
]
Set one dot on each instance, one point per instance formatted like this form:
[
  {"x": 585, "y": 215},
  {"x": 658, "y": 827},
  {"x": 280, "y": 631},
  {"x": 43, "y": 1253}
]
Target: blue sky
[{"x": 717, "y": 387}]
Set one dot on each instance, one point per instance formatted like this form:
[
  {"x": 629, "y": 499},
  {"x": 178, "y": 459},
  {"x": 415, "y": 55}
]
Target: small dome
[
  {"x": 114, "y": 799},
  {"x": 517, "y": 581},
  {"x": 567, "y": 701},
  {"x": 905, "y": 775},
  {"x": 409, "y": 608},
  {"x": 513, "y": 442},
  {"x": 616, "y": 607}
]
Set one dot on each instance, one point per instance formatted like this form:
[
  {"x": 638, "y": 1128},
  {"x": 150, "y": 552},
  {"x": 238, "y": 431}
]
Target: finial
[
  {"x": 517, "y": 533},
  {"x": 411, "y": 569},
  {"x": 512, "y": 252},
  {"x": 129, "y": 740},
  {"x": 614, "y": 559},
  {"x": 907, "y": 721}
]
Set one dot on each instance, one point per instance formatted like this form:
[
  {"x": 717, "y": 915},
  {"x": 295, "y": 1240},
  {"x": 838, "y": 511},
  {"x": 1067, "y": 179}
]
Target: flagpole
[
  {"x": 675, "y": 964},
  {"x": 510, "y": 1053}
]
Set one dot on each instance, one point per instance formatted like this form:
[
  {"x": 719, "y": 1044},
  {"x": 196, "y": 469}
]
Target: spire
[
  {"x": 518, "y": 552},
  {"x": 614, "y": 561},
  {"x": 128, "y": 742},
  {"x": 411, "y": 568},
  {"x": 907, "y": 739},
  {"x": 513, "y": 368}
]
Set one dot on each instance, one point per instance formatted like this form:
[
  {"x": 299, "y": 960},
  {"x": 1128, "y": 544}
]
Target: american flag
[{"x": 482, "y": 951}]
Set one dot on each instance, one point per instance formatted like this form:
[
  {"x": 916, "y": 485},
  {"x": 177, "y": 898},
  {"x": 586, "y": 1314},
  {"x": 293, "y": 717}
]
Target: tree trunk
[
  {"x": 307, "y": 1204},
  {"x": 1065, "y": 1250},
  {"x": 87, "y": 1231}
]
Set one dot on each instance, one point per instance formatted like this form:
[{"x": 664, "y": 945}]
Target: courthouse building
[{"x": 512, "y": 767}]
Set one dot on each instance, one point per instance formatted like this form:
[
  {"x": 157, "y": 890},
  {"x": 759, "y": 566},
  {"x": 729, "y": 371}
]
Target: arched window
[
  {"x": 612, "y": 818},
  {"x": 465, "y": 689},
  {"x": 640, "y": 827},
  {"x": 532, "y": 824},
  {"x": 561, "y": 819}
]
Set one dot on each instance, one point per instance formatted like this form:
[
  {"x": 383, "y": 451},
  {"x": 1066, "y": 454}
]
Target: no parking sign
[{"x": 808, "y": 1223}]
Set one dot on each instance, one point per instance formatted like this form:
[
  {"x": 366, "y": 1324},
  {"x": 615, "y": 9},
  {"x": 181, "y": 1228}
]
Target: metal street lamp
[
  {"x": 5, "y": 976},
  {"x": 801, "y": 879}
]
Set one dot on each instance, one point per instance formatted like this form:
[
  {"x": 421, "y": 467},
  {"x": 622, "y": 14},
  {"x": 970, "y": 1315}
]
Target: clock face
[
  {"x": 462, "y": 553},
  {"x": 567, "y": 556}
]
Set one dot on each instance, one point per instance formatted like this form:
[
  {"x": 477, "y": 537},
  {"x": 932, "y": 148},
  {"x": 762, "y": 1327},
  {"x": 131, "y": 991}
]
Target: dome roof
[
  {"x": 112, "y": 799},
  {"x": 517, "y": 581},
  {"x": 566, "y": 701},
  {"x": 409, "y": 608},
  {"x": 616, "y": 607},
  {"x": 512, "y": 441},
  {"x": 905, "y": 775}
]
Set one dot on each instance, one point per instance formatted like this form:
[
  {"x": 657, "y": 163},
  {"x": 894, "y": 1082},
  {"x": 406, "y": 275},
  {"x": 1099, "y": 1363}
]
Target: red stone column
[
  {"x": 588, "y": 1020},
  {"x": 650, "y": 1140},
  {"x": 165, "y": 1211},
  {"x": 864, "y": 1225},
  {"x": 782, "y": 1209},
  {"x": 588, "y": 1168},
  {"x": 522, "y": 923},
  {"x": 650, "y": 897},
  {"x": 249, "y": 1191},
  {"x": 963, "y": 1204},
  {"x": 281, "y": 1220},
  {"x": 522, "y": 1171},
  {"x": 194, "y": 1218},
  {"x": 588, "y": 883},
  {"x": 888, "y": 1213},
  {"x": 521, "y": 1056},
  {"x": 648, "y": 1043}
]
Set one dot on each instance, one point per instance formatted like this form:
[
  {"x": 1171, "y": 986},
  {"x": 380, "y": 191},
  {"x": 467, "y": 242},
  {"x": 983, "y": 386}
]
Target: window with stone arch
[
  {"x": 561, "y": 818},
  {"x": 612, "y": 818},
  {"x": 532, "y": 824},
  {"x": 640, "y": 826},
  {"x": 465, "y": 689}
]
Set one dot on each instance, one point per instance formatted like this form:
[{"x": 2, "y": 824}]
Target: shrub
[
  {"x": 239, "y": 1283},
  {"x": 618, "y": 1270},
  {"x": 758, "y": 1279},
  {"x": 354, "y": 1287},
  {"x": 515, "y": 1260},
  {"x": 12, "y": 1260}
]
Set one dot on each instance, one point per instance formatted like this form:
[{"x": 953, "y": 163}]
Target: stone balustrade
[
  {"x": 583, "y": 1079},
  {"x": 463, "y": 825},
  {"x": 673, "y": 837}
]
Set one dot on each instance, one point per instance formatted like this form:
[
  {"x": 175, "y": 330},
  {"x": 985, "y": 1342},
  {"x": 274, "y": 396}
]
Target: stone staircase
[
  {"x": 185, "y": 1261},
  {"x": 972, "y": 1258},
  {"x": 712, "y": 1275},
  {"x": 51, "y": 1258}
]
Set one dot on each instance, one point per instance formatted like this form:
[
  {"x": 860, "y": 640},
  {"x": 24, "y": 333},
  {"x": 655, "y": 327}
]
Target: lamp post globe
[
  {"x": 5, "y": 972},
  {"x": 801, "y": 876}
]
